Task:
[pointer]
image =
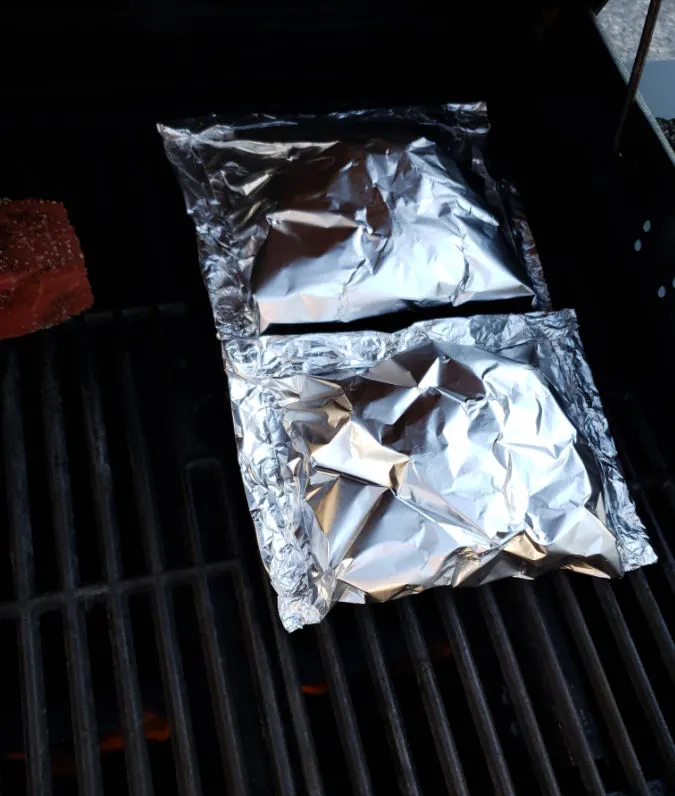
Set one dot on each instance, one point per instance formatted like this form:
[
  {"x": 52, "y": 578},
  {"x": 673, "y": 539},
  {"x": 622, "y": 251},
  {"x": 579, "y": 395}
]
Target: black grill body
[{"x": 139, "y": 646}]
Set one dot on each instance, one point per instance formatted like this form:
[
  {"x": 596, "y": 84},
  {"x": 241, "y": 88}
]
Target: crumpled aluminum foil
[
  {"x": 453, "y": 452},
  {"x": 350, "y": 215}
]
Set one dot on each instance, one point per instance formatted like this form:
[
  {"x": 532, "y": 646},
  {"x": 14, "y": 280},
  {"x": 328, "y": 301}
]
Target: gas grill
[{"x": 140, "y": 649}]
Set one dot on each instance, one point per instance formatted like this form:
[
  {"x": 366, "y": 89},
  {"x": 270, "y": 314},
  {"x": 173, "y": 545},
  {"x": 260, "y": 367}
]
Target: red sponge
[{"x": 43, "y": 280}]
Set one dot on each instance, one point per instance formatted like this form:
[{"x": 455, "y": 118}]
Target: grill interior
[
  {"x": 140, "y": 647},
  {"x": 133, "y": 588}
]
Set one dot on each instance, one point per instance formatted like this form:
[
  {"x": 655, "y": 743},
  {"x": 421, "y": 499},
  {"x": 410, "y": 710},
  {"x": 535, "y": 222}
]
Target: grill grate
[
  {"x": 140, "y": 649},
  {"x": 139, "y": 558}
]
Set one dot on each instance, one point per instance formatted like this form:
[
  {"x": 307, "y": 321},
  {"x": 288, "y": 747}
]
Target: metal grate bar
[
  {"x": 520, "y": 699},
  {"x": 165, "y": 632},
  {"x": 601, "y": 688},
  {"x": 433, "y": 702},
  {"x": 654, "y": 617},
  {"x": 261, "y": 665},
  {"x": 388, "y": 703},
  {"x": 97, "y": 449},
  {"x": 228, "y": 735},
  {"x": 79, "y": 670},
  {"x": 129, "y": 697},
  {"x": 36, "y": 738},
  {"x": 496, "y": 762},
  {"x": 121, "y": 639},
  {"x": 296, "y": 702},
  {"x": 274, "y": 729},
  {"x": 36, "y": 741},
  {"x": 142, "y": 583},
  {"x": 638, "y": 66},
  {"x": 562, "y": 699},
  {"x": 637, "y": 675},
  {"x": 16, "y": 479},
  {"x": 344, "y": 711}
]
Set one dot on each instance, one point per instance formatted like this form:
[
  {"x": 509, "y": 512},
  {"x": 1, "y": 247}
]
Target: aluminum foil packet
[
  {"x": 309, "y": 219},
  {"x": 451, "y": 453}
]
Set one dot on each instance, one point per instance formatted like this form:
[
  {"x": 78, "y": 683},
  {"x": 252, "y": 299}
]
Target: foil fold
[
  {"x": 306, "y": 219},
  {"x": 450, "y": 453}
]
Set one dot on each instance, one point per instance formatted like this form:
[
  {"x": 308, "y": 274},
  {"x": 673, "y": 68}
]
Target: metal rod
[
  {"x": 345, "y": 715},
  {"x": 36, "y": 737},
  {"x": 638, "y": 67},
  {"x": 276, "y": 739},
  {"x": 36, "y": 740},
  {"x": 274, "y": 730},
  {"x": 388, "y": 703},
  {"x": 121, "y": 638},
  {"x": 601, "y": 688},
  {"x": 520, "y": 698},
  {"x": 224, "y": 712},
  {"x": 568, "y": 716},
  {"x": 468, "y": 672},
  {"x": 439, "y": 724},
  {"x": 638, "y": 676},
  {"x": 79, "y": 666},
  {"x": 16, "y": 475},
  {"x": 296, "y": 703},
  {"x": 182, "y": 736},
  {"x": 128, "y": 586}
]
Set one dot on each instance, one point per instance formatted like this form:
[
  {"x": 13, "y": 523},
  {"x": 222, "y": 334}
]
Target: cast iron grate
[{"x": 140, "y": 648}]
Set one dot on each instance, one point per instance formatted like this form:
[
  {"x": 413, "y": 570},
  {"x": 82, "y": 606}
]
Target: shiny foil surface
[
  {"x": 451, "y": 453},
  {"x": 347, "y": 216}
]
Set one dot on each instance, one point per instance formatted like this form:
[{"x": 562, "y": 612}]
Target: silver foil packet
[
  {"x": 351, "y": 215},
  {"x": 451, "y": 453}
]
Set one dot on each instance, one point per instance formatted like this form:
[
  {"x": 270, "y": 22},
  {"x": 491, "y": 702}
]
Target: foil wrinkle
[
  {"x": 450, "y": 453},
  {"x": 310, "y": 219}
]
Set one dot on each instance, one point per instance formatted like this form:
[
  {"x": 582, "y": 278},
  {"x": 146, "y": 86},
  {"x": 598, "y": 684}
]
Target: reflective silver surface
[
  {"x": 394, "y": 209},
  {"x": 450, "y": 453}
]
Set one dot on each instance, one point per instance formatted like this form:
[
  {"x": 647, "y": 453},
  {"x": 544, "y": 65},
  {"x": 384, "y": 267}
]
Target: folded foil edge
[
  {"x": 306, "y": 591},
  {"x": 229, "y": 236}
]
